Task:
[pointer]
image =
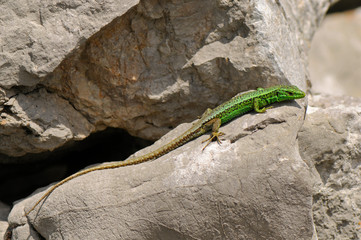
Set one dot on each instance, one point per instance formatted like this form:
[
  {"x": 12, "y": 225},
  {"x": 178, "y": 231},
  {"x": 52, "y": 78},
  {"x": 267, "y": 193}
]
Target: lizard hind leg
[
  {"x": 210, "y": 139},
  {"x": 215, "y": 123}
]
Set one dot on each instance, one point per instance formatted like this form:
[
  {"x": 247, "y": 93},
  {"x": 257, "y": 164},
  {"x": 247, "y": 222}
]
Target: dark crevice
[
  {"x": 20, "y": 176},
  {"x": 344, "y": 5}
]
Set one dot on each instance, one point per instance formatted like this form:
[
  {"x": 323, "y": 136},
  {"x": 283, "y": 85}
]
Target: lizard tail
[
  {"x": 190, "y": 134},
  {"x": 100, "y": 167}
]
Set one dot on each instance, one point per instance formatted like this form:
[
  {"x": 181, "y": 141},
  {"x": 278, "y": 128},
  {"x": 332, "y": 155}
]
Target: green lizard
[{"x": 210, "y": 120}]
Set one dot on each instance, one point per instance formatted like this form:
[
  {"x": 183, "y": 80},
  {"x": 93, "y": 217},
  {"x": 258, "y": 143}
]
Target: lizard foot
[{"x": 210, "y": 139}]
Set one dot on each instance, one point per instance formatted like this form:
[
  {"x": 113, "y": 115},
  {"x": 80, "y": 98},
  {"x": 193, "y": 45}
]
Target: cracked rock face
[
  {"x": 35, "y": 37},
  {"x": 33, "y": 125},
  {"x": 142, "y": 66},
  {"x": 330, "y": 142}
]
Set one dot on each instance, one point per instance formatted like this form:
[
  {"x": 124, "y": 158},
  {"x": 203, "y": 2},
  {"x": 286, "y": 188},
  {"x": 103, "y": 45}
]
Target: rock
[
  {"x": 330, "y": 138},
  {"x": 36, "y": 36},
  {"x": 161, "y": 64},
  {"x": 330, "y": 142},
  {"x": 335, "y": 55},
  {"x": 253, "y": 186},
  {"x": 30, "y": 124},
  {"x": 144, "y": 67},
  {"x": 147, "y": 68}
]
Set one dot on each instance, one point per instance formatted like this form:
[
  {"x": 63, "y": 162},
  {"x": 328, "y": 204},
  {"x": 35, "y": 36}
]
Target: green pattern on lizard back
[
  {"x": 237, "y": 106},
  {"x": 243, "y": 103}
]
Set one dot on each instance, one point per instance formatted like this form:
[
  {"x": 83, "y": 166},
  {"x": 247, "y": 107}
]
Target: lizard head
[{"x": 289, "y": 93}]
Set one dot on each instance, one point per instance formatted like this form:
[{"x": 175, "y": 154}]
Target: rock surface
[
  {"x": 253, "y": 186},
  {"x": 30, "y": 124},
  {"x": 330, "y": 142},
  {"x": 35, "y": 38},
  {"x": 37, "y": 35},
  {"x": 145, "y": 66}
]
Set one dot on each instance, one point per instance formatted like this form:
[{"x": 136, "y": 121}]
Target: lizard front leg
[{"x": 256, "y": 103}]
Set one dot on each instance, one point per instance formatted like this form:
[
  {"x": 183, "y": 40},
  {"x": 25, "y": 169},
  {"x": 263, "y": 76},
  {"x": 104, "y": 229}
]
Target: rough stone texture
[
  {"x": 154, "y": 66},
  {"x": 335, "y": 55},
  {"x": 37, "y": 35},
  {"x": 330, "y": 139},
  {"x": 144, "y": 68},
  {"x": 45, "y": 124},
  {"x": 253, "y": 186},
  {"x": 330, "y": 142}
]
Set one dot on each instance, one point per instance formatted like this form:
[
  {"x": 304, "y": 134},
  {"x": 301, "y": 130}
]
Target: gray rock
[
  {"x": 162, "y": 64},
  {"x": 144, "y": 67},
  {"x": 330, "y": 142},
  {"x": 35, "y": 38},
  {"x": 30, "y": 124},
  {"x": 253, "y": 186},
  {"x": 36, "y": 35},
  {"x": 70, "y": 69}
]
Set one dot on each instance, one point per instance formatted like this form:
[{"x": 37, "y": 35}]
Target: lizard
[{"x": 211, "y": 119}]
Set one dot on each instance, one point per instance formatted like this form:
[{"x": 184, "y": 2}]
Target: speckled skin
[{"x": 211, "y": 119}]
